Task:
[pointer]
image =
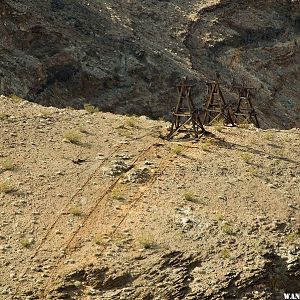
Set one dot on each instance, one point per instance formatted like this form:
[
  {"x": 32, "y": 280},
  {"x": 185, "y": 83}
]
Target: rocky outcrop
[{"x": 127, "y": 57}]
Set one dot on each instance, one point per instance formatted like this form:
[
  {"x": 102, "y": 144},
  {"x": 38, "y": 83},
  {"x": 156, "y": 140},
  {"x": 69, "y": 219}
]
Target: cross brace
[
  {"x": 216, "y": 106},
  {"x": 245, "y": 109},
  {"x": 186, "y": 118}
]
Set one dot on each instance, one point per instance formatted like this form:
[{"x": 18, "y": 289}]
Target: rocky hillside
[
  {"x": 127, "y": 56},
  {"x": 98, "y": 206}
]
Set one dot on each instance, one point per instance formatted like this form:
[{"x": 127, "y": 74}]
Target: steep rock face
[{"x": 127, "y": 57}]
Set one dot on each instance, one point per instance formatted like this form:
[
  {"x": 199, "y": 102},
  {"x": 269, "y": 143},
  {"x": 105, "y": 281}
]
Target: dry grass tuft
[
  {"x": 6, "y": 188},
  {"x": 147, "y": 241},
  {"x": 177, "y": 150},
  {"x": 131, "y": 121},
  {"x": 90, "y": 108},
  {"x": 16, "y": 99},
  {"x": 25, "y": 243},
  {"x": 73, "y": 136},
  {"x": 228, "y": 229},
  {"x": 246, "y": 157},
  {"x": 224, "y": 253},
  {"x": 7, "y": 164},
  {"x": 76, "y": 211},
  {"x": 189, "y": 196}
]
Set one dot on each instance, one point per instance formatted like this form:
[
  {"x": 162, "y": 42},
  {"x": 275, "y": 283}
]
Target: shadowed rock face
[{"x": 127, "y": 57}]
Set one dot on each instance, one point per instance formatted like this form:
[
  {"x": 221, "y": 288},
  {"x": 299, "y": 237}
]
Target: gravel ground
[{"x": 97, "y": 206}]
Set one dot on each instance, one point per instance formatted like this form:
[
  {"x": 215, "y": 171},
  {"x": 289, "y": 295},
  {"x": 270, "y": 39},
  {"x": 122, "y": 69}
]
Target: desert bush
[
  {"x": 16, "y": 99},
  {"x": 207, "y": 144},
  {"x": 252, "y": 171},
  {"x": 224, "y": 253},
  {"x": 246, "y": 157},
  {"x": 3, "y": 116},
  {"x": 76, "y": 211},
  {"x": 244, "y": 125},
  {"x": 117, "y": 195},
  {"x": 292, "y": 237},
  {"x": 7, "y": 164},
  {"x": 177, "y": 150},
  {"x": 131, "y": 121},
  {"x": 90, "y": 108},
  {"x": 6, "y": 188},
  {"x": 72, "y": 136},
  {"x": 147, "y": 241},
  {"x": 189, "y": 196},
  {"x": 25, "y": 243},
  {"x": 228, "y": 229},
  {"x": 98, "y": 240}
]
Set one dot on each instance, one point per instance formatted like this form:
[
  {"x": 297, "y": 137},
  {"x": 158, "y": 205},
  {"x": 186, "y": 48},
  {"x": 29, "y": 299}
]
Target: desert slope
[{"x": 98, "y": 206}]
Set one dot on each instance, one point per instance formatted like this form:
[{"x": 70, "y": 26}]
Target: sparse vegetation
[
  {"x": 25, "y": 243},
  {"x": 131, "y": 121},
  {"x": 45, "y": 113},
  {"x": 177, "y": 149},
  {"x": 7, "y": 164},
  {"x": 269, "y": 135},
  {"x": 246, "y": 157},
  {"x": 72, "y": 136},
  {"x": 224, "y": 253},
  {"x": 117, "y": 195},
  {"x": 189, "y": 196},
  {"x": 76, "y": 211},
  {"x": 220, "y": 217},
  {"x": 6, "y": 188},
  {"x": 90, "y": 108},
  {"x": 292, "y": 237},
  {"x": 113, "y": 211},
  {"x": 16, "y": 99},
  {"x": 228, "y": 229},
  {"x": 206, "y": 144},
  {"x": 218, "y": 124},
  {"x": 244, "y": 125},
  {"x": 252, "y": 170},
  {"x": 218, "y": 128},
  {"x": 98, "y": 240},
  {"x": 123, "y": 131},
  {"x": 147, "y": 241}
]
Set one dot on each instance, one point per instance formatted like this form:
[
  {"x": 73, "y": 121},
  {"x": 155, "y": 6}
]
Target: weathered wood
[
  {"x": 215, "y": 106},
  {"x": 186, "y": 117},
  {"x": 244, "y": 110}
]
